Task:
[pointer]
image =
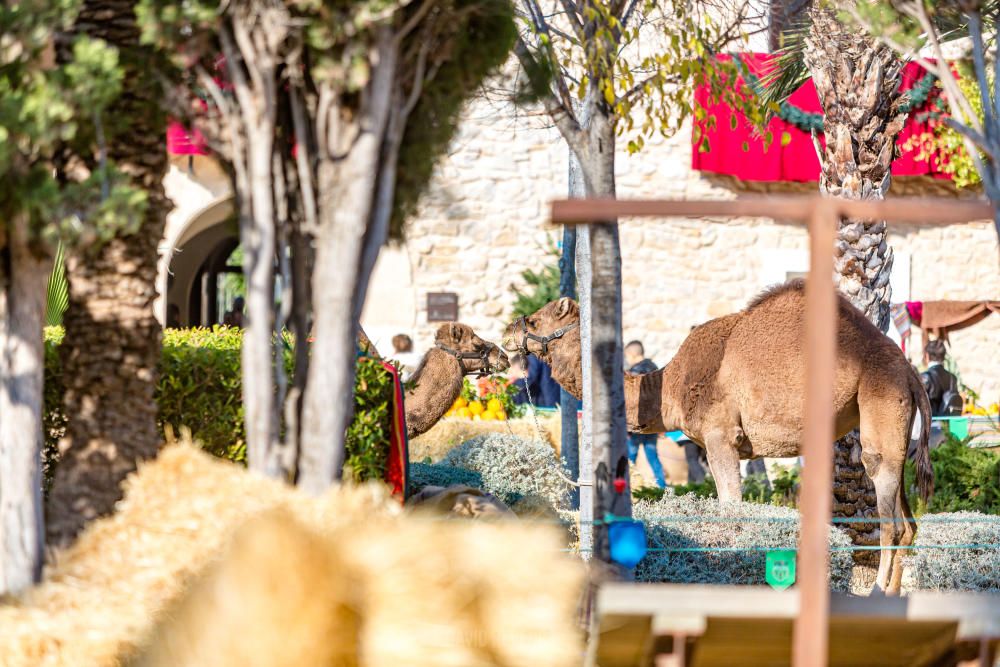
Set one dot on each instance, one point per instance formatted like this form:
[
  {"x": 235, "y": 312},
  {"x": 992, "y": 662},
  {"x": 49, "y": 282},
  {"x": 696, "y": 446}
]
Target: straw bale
[
  {"x": 277, "y": 598},
  {"x": 424, "y": 591},
  {"x": 451, "y": 432}
]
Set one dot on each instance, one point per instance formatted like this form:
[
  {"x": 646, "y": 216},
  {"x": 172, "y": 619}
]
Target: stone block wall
[{"x": 485, "y": 220}]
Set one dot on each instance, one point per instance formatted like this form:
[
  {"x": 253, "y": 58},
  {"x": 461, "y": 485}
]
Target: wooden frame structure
[
  {"x": 821, "y": 214},
  {"x": 751, "y": 626}
]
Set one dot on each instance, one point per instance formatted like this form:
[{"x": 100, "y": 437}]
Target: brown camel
[
  {"x": 437, "y": 382},
  {"x": 737, "y": 386}
]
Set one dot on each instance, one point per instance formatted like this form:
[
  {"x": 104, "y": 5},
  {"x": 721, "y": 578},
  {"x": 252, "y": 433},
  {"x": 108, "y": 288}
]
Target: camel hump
[{"x": 797, "y": 286}]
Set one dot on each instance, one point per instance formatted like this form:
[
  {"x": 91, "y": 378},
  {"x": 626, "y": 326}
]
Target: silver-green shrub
[
  {"x": 705, "y": 522},
  {"x": 933, "y": 568},
  {"x": 512, "y": 467}
]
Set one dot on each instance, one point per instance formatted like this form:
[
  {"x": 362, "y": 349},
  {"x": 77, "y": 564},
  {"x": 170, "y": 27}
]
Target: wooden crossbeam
[{"x": 821, "y": 214}]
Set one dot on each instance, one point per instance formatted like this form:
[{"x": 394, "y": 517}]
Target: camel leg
[
  {"x": 891, "y": 529},
  {"x": 885, "y": 437},
  {"x": 885, "y": 467},
  {"x": 724, "y": 462},
  {"x": 908, "y": 533}
]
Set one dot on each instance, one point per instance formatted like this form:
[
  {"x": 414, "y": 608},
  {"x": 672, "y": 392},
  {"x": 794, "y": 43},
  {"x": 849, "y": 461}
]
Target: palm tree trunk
[
  {"x": 112, "y": 346},
  {"x": 858, "y": 85}
]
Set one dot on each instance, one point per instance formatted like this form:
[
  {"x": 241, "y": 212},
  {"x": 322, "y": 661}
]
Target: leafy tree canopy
[
  {"x": 449, "y": 46},
  {"x": 45, "y": 105},
  {"x": 639, "y": 60}
]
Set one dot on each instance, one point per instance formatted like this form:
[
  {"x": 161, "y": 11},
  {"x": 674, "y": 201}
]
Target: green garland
[{"x": 810, "y": 122}]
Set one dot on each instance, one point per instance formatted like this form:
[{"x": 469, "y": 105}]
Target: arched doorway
[
  {"x": 217, "y": 284},
  {"x": 205, "y": 272},
  {"x": 204, "y": 275}
]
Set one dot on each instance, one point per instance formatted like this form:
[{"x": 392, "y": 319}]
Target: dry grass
[
  {"x": 346, "y": 578},
  {"x": 451, "y": 432}
]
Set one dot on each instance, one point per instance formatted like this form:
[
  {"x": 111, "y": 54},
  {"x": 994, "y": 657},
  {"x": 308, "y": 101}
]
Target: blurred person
[
  {"x": 173, "y": 316},
  {"x": 535, "y": 377},
  {"x": 234, "y": 317},
  {"x": 637, "y": 364},
  {"x": 940, "y": 384},
  {"x": 402, "y": 352},
  {"x": 693, "y": 455}
]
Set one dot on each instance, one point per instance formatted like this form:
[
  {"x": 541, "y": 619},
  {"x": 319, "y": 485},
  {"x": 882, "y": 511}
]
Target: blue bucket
[{"x": 628, "y": 542}]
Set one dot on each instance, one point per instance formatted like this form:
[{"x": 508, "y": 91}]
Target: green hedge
[
  {"x": 966, "y": 479},
  {"x": 200, "y": 390}
]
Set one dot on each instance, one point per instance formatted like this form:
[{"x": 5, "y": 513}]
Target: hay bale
[
  {"x": 452, "y": 432},
  {"x": 513, "y": 467},
  {"x": 754, "y": 525},
  {"x": 426, "y": 591},
  {"x": 278, "y": 597},
  {"x": 934, "y": 569}
]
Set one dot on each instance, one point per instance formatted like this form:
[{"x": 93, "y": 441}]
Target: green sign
[{"x": 780, "y": 568}]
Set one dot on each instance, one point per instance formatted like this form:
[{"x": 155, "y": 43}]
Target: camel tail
[{"x": 925, "y": 472}]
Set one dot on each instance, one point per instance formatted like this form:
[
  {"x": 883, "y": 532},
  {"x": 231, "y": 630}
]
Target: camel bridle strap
[
  {"x": 483, "y": 356},
  {"x": 542, "y": 340}
]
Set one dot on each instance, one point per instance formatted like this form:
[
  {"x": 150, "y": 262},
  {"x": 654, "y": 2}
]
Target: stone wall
[{"x": 485, "y": 220}]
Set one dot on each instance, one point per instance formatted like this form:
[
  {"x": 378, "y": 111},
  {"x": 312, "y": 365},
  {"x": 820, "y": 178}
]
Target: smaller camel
[
  {"x": 437, "y": 382},
  {"x": 737, "y": 385}
]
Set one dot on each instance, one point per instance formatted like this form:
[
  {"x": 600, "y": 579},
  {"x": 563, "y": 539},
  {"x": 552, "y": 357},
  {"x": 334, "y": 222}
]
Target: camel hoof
[{"x": 877, "y": 591}]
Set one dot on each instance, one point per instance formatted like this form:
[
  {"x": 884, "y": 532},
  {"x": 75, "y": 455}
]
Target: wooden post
[{"x": 811, "y": 633}]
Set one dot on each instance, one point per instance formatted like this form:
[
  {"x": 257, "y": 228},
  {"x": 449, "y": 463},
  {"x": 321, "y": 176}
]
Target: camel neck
[
  {"x": 564, "y": 359},
  {"x": 437, "y": 382}
]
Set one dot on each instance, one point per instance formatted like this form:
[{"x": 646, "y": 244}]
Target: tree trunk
[
  {"x": 570, "y": 435},
  {"x": 601, "y": 337},
  {"x": 257, "y": 236},
  {"x": 349, "y": 186},
  {"x": 22, "y": 363},
  {"x": 858, "y": 85},
  {"x": 111, "y": 351}
]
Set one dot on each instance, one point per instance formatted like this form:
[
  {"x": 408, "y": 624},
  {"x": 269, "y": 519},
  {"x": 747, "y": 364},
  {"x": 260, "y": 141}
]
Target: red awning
[
  {"x": 182, "y": 142},
  {"x": 797, "y": 160}
]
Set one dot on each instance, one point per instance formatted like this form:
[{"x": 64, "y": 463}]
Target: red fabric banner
[
  {"x": 397, "y": 469},
  {"x": 796, "y": 161}
]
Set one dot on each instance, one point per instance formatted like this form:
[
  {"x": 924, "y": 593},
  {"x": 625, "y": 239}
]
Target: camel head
[
  {"x": 474, "y": 354},
  {"x": 534, "y": 333}
]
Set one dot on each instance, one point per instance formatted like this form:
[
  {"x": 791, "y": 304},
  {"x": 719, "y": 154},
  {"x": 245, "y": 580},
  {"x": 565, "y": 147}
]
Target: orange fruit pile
[{"x": 476, "y": 410}]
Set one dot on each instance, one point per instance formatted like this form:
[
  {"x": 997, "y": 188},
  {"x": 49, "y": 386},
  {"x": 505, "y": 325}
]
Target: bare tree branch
[
  {"x": 561, "y": 115},
  {"x": 545, "y": 33},
  {"x": 626, "y": 16},
  {"x": 919, "y": 12},
  {"x": 638, "y": 87},
  {"x": 573, "y": 15},
  {"x": 979, "y": 60},
  {"x": 414, "y": 20}
]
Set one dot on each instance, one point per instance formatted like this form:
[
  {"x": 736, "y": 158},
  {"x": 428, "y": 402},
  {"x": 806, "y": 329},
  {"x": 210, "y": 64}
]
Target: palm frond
[
  {"x": 57, "y": 291},
  {"x": 788, "y": 71}
]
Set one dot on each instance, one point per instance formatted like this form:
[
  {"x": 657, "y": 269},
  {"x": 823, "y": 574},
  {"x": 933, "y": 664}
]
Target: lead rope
[{"x": 538, "y": 427}]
